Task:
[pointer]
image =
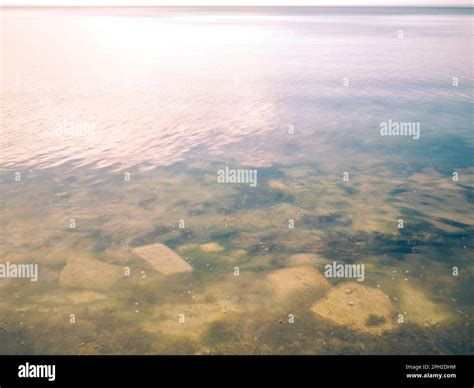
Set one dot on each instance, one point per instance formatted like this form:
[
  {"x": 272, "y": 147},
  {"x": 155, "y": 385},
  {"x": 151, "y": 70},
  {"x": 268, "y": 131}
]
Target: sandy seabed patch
[
  {"x": 188, "y": 319},
  {"x": 420, "y": 309},
  {"x": 74, "y": 297}
]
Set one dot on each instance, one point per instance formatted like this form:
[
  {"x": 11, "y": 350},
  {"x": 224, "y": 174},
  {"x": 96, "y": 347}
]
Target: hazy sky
[{"x": 236, "y": 2}]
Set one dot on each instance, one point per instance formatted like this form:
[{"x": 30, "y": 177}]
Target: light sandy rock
[
  {"x": 89, "y": 273},
  {"x": 238, "y": 253},
  {"x": 357, "y": 307},
  {"x": 211, "y": 247},
  {"x": 286, "y": 281},
  {"x": 163, "y": 259},
  {"x": 277, "y": 185}
]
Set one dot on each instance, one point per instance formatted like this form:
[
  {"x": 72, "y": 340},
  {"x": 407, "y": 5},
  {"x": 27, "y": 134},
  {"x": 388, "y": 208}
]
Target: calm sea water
[
  {"x": 231, "y": 81},
  {"x": 167, "y": 97}
]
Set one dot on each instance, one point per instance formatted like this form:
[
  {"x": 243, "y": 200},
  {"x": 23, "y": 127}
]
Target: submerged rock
[
  {"x": 277, "y": 185},
  {"x": 357, "y": 307},
  {"x": 286, "y": 281},
  {"x": 162, "y": 259},
  {"x": 211, "y": 247},
  {"x": 89, "y": 273}
]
